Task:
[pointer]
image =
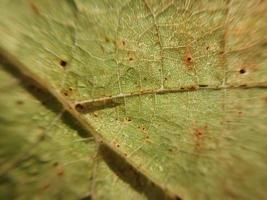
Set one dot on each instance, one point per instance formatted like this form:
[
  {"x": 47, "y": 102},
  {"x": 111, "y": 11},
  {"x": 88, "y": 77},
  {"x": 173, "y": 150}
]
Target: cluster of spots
[
  {"x": 144, "y": 130},
  {"x": 60, "y": 172},
  {"x": 67, "y": 92},
  {"x": 59, "y": 169}
]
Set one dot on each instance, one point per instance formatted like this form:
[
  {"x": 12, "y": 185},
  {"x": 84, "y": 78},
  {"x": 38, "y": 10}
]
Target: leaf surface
[{"x": 177, "y": 88}]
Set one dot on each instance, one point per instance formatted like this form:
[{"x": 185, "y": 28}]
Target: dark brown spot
[
  {"x": 130, "y": 59},
  {"x": 128, "y": 119},
  {"x": 19, "y": 102},
  {"x": 202, "y": 85},
  {"x": 207, "y": 48},
  {"x": 60, "y": 172},
  {"x": 55, "y": 164},
  {"x": 79, "y": 107},
  {"x": 177, "y": 198},
  {"x": 63, "y": 63},
  {"x": 118, "y": 145},
  {"x": 242, "y": 71}
]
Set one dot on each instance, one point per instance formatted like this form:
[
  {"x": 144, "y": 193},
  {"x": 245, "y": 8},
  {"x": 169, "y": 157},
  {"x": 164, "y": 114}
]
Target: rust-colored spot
[
  {"x": 46, "y": 186},
  {"x": 190, "y": 88},
  {"x": 63, "y": 63},
  {"x": 118, "y": 145},
  {"x": 188, "y": 59},
  {"x": 60, "y": 171},
  {"x": 34, "y": 7},
  {"x": 199, "y": 134}
]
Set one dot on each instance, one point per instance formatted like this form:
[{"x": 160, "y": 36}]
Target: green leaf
[
  {"x": 42, "y": 153},
  {"x": 176, "y": 88}
]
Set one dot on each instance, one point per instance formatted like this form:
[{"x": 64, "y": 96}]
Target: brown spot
[
  {"x": 242, "y": 71},
  {"x": 131, "y": 55},
  {"x": 19, "y": 102},
  {"x": 63, "y": 63},
  {"x": 46, "y": 186},
  {"x": 208, "y": 47},
  {"x": 34, "y": 7},
  {"x": 240, "y": 113},
  {"x": 120, "y": 44},
  {"x": 55, "y": 164},
  {"x": 190, "y": 88},
  {"x": 177, "y": 198},
  {"x": 128, "y": 119},
  {"x": 65, "y": 93},
  {"x": 199, "y": 134},
  {"x": 60, "y": 172},
  {"x": 107, "y": 39},
  {"x": 202, "y": 86},
  {"x": 118, "y": 145},
  {"x": 79, "y": 107},
  {"x": 188, "y": 59}
]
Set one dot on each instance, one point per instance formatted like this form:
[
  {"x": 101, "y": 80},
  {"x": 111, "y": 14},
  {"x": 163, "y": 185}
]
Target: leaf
[
  {"x": 177, "y": 88},
  {"x": 42, "y": 155}
]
